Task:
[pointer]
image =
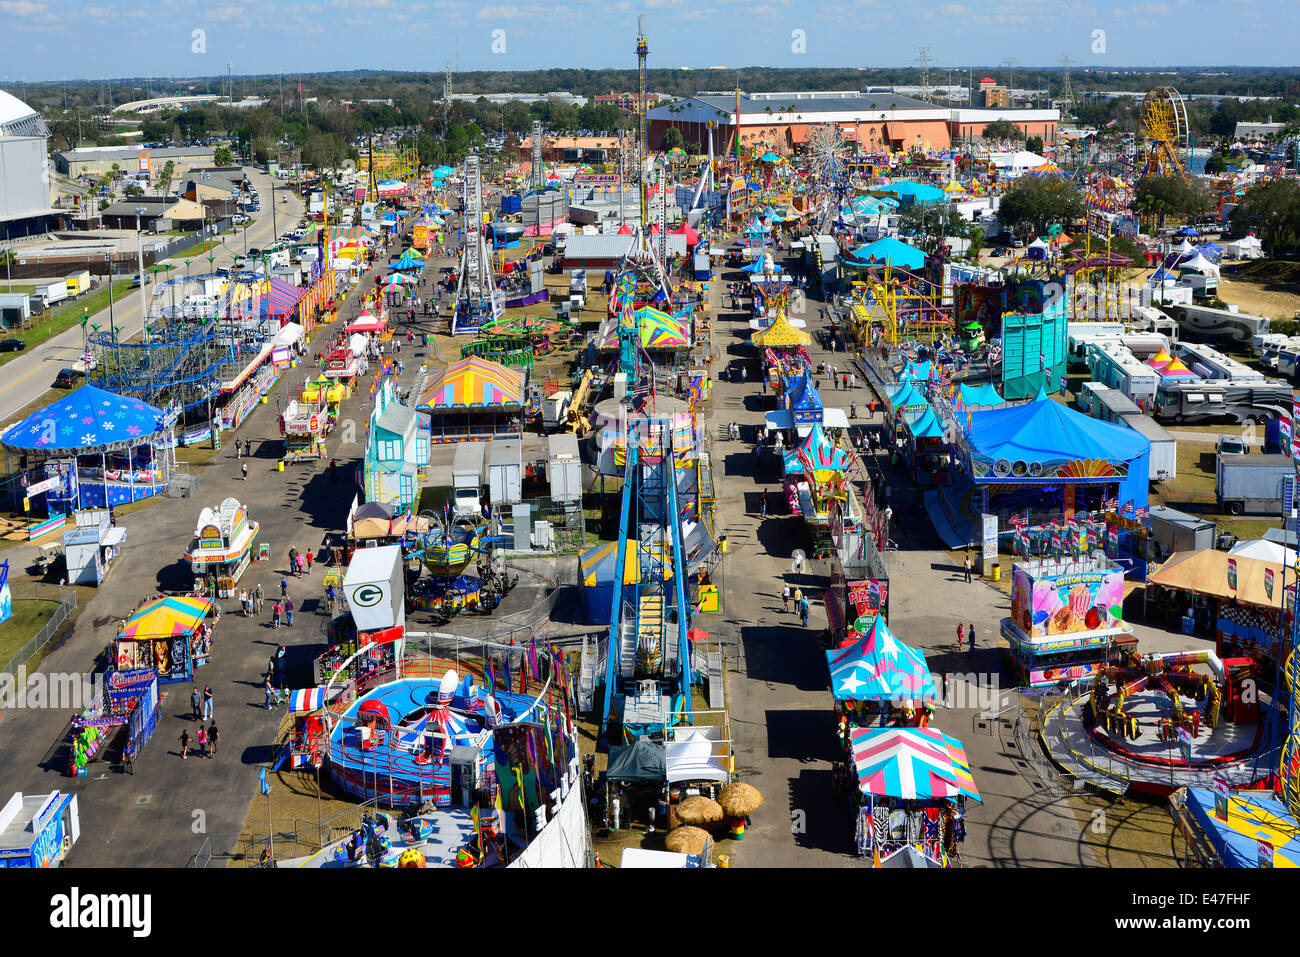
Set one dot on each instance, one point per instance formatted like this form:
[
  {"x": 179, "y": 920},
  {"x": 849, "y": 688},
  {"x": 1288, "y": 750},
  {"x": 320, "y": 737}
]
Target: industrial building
[
  {"x": 24, "y": 170},
  {"x": 99, "y": 160},
  {"x": 873, "y": 121}
]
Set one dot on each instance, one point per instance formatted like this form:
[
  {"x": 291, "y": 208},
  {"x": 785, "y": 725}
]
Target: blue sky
[{"x": 59, "y": 39}]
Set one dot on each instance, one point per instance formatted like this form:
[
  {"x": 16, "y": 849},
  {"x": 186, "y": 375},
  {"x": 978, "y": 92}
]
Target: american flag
[
  {"x": 1128, "y": 508},
  {"x": 1143, "y": 512},
  {"x": 1111, "y": 504}
]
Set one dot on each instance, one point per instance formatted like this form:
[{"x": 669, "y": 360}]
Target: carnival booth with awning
[
  {"x": 972, "y": 396},
  {"x": 926, "y": 447},
  {"x": 802, "y": 399},
  {"x": 90, "y": 449},
  {"x": 474, "y": 398},
  {"x": 883, "y": 252},
  {"x": 1044, "y": 454},
  {"x": 1229, "y": 830},
  {"x": 911, "y": 787},
  {"x": 877, "y": 679},
  {"x": 222, "y": 547},
  {"x": 171, "y": 635}
]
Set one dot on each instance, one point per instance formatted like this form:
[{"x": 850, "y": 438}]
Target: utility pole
[
  {"x": 230, "y": 83},
  {"x": 446, "y": 99}
]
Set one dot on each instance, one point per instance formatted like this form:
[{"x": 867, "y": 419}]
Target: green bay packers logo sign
[{"x": 366, "y": 596}]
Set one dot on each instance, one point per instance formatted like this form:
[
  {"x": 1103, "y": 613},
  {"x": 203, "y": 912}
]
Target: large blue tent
[
  {"x": 1046, "y": 443},
  {"x": 88, "y": 420},
  {"x": 891, "y": 252},
  {"x": 973, "y": 395},
  {"x": 920, "y": 193}
]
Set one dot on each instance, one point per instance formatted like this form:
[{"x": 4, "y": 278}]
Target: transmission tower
[
  {"x": 1067, "y": 91},
  {"x": 924, "y": 59},
  {"x": 1010, "y": 64}
]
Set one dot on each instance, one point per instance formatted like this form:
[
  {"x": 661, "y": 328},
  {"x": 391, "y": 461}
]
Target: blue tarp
[
  {"x": 892, "y": 252},
  {"x": 926, "y": 426},
  {"x": 907, "y": 398},
  {"x": 87, "y": 420},
  {"x": 1252, "y": 816},
  {"x": 1053, "y": 436}
]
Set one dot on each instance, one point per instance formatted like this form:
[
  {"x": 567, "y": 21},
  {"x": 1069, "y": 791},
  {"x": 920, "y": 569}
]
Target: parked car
[
  {"x": 240, "y": 218},
  {"x": 1230, "y": 445},
  {"x": 66, "y": 379},
  {"x": 12, "y": 345}
]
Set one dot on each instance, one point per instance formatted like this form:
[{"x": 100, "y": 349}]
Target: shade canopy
[
  {"x": 879, "y": 667},
  {"x": 474, "y": 382},
  {"x": 913, "y": 764},
  {"x": 90, "y": 419},
  {"x": 891, "y": 252},
  {"x": 779, "y": 334},
  {"x": 926, "y": 425},
  {"x": 970, "y": 396},
  {"x": 167, "y": 617},
  {"x": 642, "y": 760},
  {"x": 1266, "y": 551},
  {"x": 1205, "y": 572}
]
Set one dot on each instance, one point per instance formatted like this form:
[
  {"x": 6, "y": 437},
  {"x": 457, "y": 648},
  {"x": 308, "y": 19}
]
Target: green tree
[
  {"x": 673, "y": 138},
  {"x": 1037, "y": 203},
  {"x": 1272, "y": 211},
  {"x": 1158, "y": 197},
  {"x": 930, "y": 225},
  {"x": 223, "y": 156},
  {"x": 1002, "y": 130},
  {"x": 165, "y": 177},
  {"x": 1215, "y": 165},
  {"x": 1034, "y": 144}
]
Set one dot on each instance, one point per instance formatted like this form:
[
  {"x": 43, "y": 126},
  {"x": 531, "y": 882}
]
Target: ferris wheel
[
  {"x": 827, "y": 152},
  {"x": 1164, "y": 121}
]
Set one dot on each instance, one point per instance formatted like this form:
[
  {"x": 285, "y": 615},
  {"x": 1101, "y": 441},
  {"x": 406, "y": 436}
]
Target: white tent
[
  {"x": 1185, "y": 248},
  {"x": 1198, "y": 263},
  {"x": 1248, "y": 248},
  {"x": 357, "y": 343},
  {"x": 1017, "y": 162},
  {"x": 1266, "y": 551}
]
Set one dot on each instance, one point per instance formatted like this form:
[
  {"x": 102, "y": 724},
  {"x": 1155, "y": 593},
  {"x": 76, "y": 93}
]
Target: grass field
[{"x": 28, "y": 618}]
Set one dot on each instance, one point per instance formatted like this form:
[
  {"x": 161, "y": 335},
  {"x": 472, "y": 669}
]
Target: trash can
[
  {"x": 997, "y": 572},
  {"x": 279, "y": 466}
]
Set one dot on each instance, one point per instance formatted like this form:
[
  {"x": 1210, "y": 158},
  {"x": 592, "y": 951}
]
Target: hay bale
[
  {"x": 686, "y": 840},
  {"x": 699, "y": 810},
  {"x": 739, "y": 799}
]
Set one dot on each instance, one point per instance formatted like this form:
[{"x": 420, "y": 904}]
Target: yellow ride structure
[
  {"x": 402, "y": 162},
  {"x": 889, "y": 299},
  {"x": 1164, "y": 122}
]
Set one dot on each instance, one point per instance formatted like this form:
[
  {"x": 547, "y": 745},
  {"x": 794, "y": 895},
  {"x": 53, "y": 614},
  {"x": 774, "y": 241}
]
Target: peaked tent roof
[
  {"x": 779, "y": 334},
  {"x": 817, "y": 453},
  {"x": 879, "y": 667},
  {"x": 474, "y": 382},
  {"x": 907, "y": 398},
  {"x": 926, "y": 425},
  {"x": 892, "y": 252},
  {"x": 89, "y": 418},
  {"x": 1045, "y": 429},
  {"x": 804, "y": 394},
  {"x": 911, "y": 764},
  {"x": 985, "y": 394},
  {"x": 166, "y": 617}
]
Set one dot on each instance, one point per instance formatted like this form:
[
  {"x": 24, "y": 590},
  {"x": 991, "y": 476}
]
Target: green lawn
[
  {"x": 27, "y": 620},
  {"x": 66, "y": 316}
]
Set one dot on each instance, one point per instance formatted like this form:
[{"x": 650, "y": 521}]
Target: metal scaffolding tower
[
  {"x": 536, "y": 173},
  {"x": 478, "y": 300}
]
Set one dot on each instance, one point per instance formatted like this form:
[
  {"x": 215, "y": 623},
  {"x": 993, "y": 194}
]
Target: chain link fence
[{"x": 67, "y": 602}]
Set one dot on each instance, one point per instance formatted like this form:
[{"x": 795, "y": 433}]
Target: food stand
[
  {"x": 222, "y": 547},
  {"x": 308, "y": 419},
  {"x": 173, "y": 636},
  {"x": 38, "y": 830},
  {"x": 1065, "y": 615}
]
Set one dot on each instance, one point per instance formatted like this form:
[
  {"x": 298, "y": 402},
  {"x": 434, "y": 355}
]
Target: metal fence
[
  {"x": 67, "y": 599},
  {"x": 288, "y": 838}
]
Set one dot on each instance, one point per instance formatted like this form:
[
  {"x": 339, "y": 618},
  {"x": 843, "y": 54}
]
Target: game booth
[
  {"x": 90, "y": 449},
  {"x": 120, "y": 720},
  {"x": 1066, "y": 614},
  {"x": 170, "y": 635},
  {"x": 910, "y": 790},
  {"x": 222, "y": 548},
  {"x": 474, "y": 399},
  {"x": 91, "y": 546},
  {"x": 38, "y": 830},
  {"x": 1225, "y": 828},
  {"x": 877, "y": 681}
]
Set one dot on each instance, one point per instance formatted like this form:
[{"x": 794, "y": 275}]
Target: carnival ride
[
  {"x": 478, "y": 300},
  {"x": 1164, "y": 122},
  {"x": 1290, "y": 765},
  {"x": 902, "y": 305},
  {"x": 402, "y": 163}
]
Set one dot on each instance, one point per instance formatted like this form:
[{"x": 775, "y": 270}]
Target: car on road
[
  {"x": 254, "y": 252},
  {"x": 12, "y": 345},
  {"x": 66, "y": 379},
  {"x": 240, "y": 218},
  {"x": 1230, "y": 445}
]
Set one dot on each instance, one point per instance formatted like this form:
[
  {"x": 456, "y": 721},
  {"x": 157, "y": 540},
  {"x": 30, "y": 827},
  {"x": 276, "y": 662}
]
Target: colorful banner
[
  {"x": 1268, "y": 583},
  {"x": 1221, "y": 799},
  {"x": 867, "y": 599},
  {"x": 1067, "y": 603},
  {"x": 1232, "y": 574}
]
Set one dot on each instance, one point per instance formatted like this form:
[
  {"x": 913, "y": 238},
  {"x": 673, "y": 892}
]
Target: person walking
[
  {"x": 288, "y": 611},
  {"x": 329, "y": 599},
  {"x": 185, "y": 743},
  {"x": 803, "y": 611},
  {"x": 239, "y": 450},
  {"x": 268, "y": 691},
  {"x": 308, "y": 557},
  {"x": 201, "y": 737},
  {"x": 798, "y": 597},
  {"x": 785, "y": 598},
  {"x": 275, "y": 615},
  {"x": 293, "y": 558},
  {"x": 260, "y": 598},
  {"x": 967, "y": 567},
  {"x": 279, "y": 667},
  {"x": 762, "y": 511},
  {"x": 243, "y": 602},
  {"x": 961, "y": 635},
  {"x": 207, "y": 702},
  {"x": 970, "y": 636},
  {"x": 284, "y": 588},
  {"x": 196, "y": 700},
  {"x": 243, "y": 467},
  {"x": 214, "y": 739}
]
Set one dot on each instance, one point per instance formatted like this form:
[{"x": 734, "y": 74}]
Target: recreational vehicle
[
  {"x": 1116, "y": 367},
  {"x": 1210, "y": 363},
  {"x": 1203, "y": 324},
  {"x": 1202, "y": 402}
]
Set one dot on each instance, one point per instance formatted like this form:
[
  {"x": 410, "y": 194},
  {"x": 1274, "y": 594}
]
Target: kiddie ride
[
  {"x": 446, "y": 552},
  {"x": 1174, "y": 701},
  {"x": 308, "y": 419}
]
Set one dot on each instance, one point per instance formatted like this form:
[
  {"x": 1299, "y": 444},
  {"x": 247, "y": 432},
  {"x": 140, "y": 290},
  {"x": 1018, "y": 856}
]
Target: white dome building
[{"x": 24, "y": 165}]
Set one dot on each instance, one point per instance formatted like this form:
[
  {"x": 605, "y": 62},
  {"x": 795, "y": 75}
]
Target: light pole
[{"x": 139, "y": 248}]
